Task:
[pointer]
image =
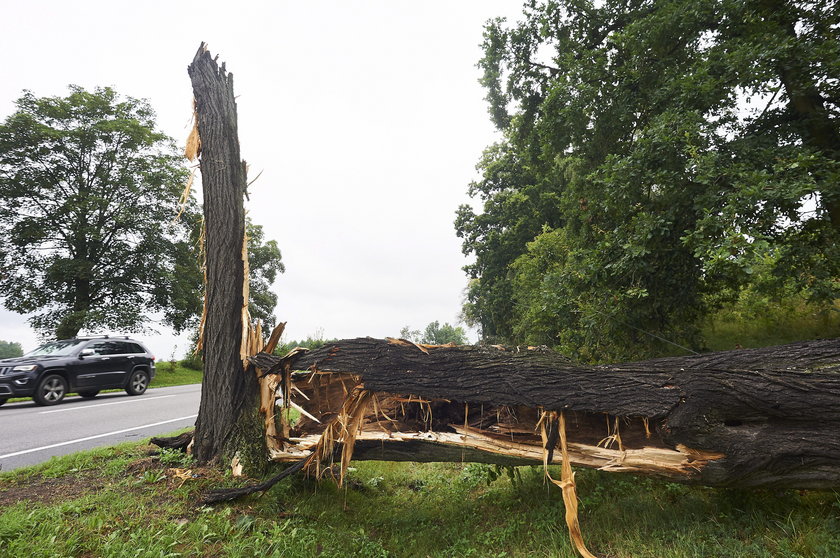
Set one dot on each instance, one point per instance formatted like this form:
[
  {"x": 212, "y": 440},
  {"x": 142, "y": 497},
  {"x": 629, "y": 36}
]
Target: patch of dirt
[
  {"x": 42, "y": 490},
  {"x": 46, "y": 490},
  {"x": 143, "y": 464}
]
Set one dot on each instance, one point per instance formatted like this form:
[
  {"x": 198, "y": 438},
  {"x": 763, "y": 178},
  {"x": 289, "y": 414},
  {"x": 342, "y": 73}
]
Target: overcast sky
[{"x": 365, "y": 117}]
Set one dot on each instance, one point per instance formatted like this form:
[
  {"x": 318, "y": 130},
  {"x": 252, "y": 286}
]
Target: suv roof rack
[{"x": 102, "y": 337}]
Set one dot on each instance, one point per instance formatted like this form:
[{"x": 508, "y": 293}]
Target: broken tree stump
[
  {"x": 228, "y": 410},
  {"x": 746, "y": 418}
]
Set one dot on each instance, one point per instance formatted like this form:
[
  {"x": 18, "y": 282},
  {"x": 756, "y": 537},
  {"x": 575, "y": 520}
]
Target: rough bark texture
[
  {"x": 805, "y": 101},
  {"x": 228, "y": 394},
  {"x": 746, "y": 418}
]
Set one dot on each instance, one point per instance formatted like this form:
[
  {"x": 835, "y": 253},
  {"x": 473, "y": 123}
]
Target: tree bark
[
  {"x": 805, "y": 101},
  {"x": 228, "y": 395},
  {"x": 747, "y": 418}
]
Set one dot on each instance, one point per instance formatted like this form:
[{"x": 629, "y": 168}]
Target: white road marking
[
  {"x": 132, "y": 400},
  {"x": 67, "y": 443}
]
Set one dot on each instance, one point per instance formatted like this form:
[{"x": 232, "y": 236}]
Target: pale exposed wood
[
  {"x": 744, "y": 418},
  {"x": 648, "y": 460},
  {"x": 268, "y": 390},
  {"x": 274, "y": 338}
]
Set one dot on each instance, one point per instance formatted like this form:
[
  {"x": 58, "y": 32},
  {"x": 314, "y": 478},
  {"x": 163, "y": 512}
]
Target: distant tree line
[
  {"x": 435, "y": 334},
  {"x": 10, "y": 349}
]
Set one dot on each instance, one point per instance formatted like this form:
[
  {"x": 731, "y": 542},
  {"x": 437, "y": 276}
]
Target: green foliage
[
  {"x": 10, "y": 349},
  {"x": 758, "y": 320},
  {"x": 311, "y": 342},
  {"x": 435, "y": 334},
  {"x": 192, "y": 361},
  {"x": 174, "y": 458},
  {"x": 264, "y": 263},
  {"x": 89, "y": 190},
  {"x": 654, "y": 155}
]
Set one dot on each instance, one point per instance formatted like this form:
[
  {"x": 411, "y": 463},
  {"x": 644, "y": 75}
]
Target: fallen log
[{"x": 745, "y": 418}]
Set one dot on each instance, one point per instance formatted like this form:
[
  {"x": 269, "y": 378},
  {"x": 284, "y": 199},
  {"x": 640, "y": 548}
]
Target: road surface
[{"x": 32, "y": 434}]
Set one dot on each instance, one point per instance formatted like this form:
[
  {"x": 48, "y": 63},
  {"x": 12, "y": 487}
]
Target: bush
[{"x": 193, "y": 362}]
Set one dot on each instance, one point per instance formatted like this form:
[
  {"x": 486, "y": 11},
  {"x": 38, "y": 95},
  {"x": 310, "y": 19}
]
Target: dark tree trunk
[
  {"x": 805, "y": 101},
  {"x": 746, "y": 418},
  {"x": 229, "y": 396}
]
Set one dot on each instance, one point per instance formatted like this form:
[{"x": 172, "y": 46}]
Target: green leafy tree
[
  {"x": 10, "y": 349},
  {"x": 88, "y": 192},
  {"x": 435, "y": 334},
  {"x": 264, "y": 263},
  {"x": 311, "y": 342},
  {"x": 653, "y": 154}
]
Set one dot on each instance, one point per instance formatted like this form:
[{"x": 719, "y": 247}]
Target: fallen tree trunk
[{"x": 746, "y": 418}]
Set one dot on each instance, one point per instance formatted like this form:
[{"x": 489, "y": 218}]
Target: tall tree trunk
[
  {"x": 805, "y": 101},
  {"x": 229, "y": 395}
]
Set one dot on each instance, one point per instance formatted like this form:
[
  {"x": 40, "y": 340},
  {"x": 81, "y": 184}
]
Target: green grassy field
[
  {"x": 167, "y": 374},
  {"x": 122, "y": 501}
]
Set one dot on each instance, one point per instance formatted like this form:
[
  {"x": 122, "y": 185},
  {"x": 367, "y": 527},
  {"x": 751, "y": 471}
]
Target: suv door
[
  {"x": 106, "y": 367},
  {"x": 136, "y": 355}
]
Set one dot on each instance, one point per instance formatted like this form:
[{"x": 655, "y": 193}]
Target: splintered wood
[{"x": 747, "y": 418}]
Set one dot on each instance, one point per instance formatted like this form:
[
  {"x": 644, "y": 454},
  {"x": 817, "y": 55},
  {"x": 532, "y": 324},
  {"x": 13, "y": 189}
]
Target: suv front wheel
[
  {"x": 138, "y": 383},
  {"x": 51, "y": 390}
]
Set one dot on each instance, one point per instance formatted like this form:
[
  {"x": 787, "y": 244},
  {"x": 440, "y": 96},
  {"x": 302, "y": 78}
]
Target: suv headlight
[{"x": 25, "y": 368}]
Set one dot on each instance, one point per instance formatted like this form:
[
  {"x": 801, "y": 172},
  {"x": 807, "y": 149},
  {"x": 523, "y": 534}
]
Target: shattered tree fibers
[
  {"x": 749, "y": 418},
  {"x": 338, "y": 437}
]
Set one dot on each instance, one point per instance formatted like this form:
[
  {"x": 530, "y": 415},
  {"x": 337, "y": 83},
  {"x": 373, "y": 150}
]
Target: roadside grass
[
  {"x": 122, "y": 501},
  {"x": 167, "y": 374}
]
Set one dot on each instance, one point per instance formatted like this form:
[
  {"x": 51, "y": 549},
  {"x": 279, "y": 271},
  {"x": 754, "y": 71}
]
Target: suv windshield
[{"x": 56, "y": 348}]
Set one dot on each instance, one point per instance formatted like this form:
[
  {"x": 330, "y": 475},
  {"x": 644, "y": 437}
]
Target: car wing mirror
[{"x": 86, "y": 352}]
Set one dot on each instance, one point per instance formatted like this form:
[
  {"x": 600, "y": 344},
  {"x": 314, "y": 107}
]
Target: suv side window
[
  {"x": 134, "y": 348},
  {"x": 106, "y": 348},
  {"x": 122, "y": 348}
]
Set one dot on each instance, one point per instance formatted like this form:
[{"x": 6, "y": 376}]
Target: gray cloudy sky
[{"x": 365, "y": 117}]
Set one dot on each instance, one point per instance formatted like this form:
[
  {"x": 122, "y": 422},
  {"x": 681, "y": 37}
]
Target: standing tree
[
  {"x": 88, "y": 192},
  {"x": 655, "y": 154},
  {"x": 264, "y": 263},
  {"x": 228, "y": 420},
  {"x": 10, "y": 349},
  {"x": 435, "y": 334}
]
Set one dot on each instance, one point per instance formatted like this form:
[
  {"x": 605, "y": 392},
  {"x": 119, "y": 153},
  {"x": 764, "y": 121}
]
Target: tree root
[
  {"x": 228, "y": 494},
  {"x": 180, "y": 442}
]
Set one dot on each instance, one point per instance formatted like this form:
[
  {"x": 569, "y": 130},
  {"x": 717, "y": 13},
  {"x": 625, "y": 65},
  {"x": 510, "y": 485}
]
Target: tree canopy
[
  {"x": 657, "y": 157},
  {"x": 264, "y": 263},
  {"x": 89, "y": 189},
  {"x": 436, "y": 334},
  {"x": 9, "y": 349}
]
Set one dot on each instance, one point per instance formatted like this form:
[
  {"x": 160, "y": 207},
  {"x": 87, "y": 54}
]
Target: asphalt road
[{"x": 32, "y": 434}]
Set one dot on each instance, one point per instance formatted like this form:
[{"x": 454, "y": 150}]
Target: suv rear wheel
[
  {"x": 138, "y": 382},
  {"x": 51, "y": 390}
]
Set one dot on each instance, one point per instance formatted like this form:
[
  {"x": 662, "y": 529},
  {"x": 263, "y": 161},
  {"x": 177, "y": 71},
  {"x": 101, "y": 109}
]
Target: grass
[
  {"x": 169, "y": 374},
  {"x": 121, "y": 501},
  {"x": 759, "y": 322}
]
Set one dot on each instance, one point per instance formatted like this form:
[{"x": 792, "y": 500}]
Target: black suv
[{"x": 84, "y": 365}]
